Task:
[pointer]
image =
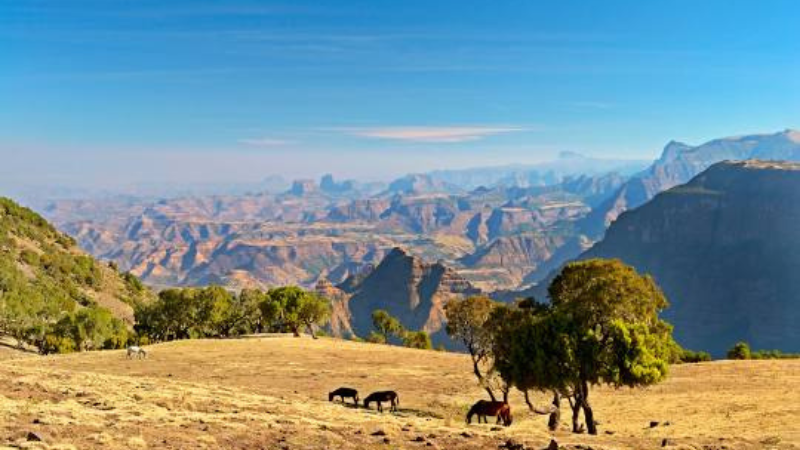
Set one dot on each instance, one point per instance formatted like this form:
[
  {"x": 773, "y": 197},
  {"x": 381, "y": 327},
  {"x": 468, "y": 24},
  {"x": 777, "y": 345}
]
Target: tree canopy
[{"x": 602, "y": 327}]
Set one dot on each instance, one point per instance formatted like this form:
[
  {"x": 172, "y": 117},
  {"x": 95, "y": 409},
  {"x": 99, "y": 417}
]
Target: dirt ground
[{"x": 271, "y": 392}]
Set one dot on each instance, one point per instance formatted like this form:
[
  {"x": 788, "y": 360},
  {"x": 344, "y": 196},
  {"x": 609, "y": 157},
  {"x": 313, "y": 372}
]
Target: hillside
[
  {"x": 271, "y": 393},
  {"x": 725, "y": 248},
  {"x": 43, "y": 275}
]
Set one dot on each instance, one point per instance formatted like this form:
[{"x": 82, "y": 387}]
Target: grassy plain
[{"x": 271, "y": 392}]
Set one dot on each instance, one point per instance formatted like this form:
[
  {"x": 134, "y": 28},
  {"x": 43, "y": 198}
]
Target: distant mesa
[{"x": 303, "y": 187}]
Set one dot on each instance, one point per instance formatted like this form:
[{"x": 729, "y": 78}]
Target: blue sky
[{"x": 108, "y": 92}]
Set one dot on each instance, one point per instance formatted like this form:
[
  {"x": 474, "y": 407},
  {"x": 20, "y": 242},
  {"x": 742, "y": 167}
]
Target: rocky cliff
[
  {"x": 725, "y": 248},
  {"x": 410, "y": 289}
]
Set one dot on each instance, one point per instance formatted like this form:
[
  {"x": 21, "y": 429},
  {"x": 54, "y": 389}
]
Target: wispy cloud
[
  {"x": 450, "y": 134},
  {"x": 590, "y": 105},
  {"x": 264, "y": 142}
]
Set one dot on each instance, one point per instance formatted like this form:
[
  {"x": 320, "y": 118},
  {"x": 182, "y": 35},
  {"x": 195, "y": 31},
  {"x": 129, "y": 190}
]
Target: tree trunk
[
  {"x": 311, "y": 331},
  {"x": 555, "y": 416},
  {"x": 476, "y": 369},
  {"x": 588, "y": 414},
  {"x": 296, "y": 331},
  {"x": 575, "y": 404}
]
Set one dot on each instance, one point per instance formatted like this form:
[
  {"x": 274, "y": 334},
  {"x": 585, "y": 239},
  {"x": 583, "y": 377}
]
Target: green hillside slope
[{"x": 54, "y": 296}]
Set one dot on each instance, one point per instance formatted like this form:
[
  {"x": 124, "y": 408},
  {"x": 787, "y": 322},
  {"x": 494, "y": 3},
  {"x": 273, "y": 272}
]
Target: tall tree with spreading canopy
[
  {"x": 608, "y": 315},
  {"x": 602, "y": 327}
]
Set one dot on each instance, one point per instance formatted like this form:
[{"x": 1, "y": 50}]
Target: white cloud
[
  {"x": 451, "y": 134},
  {"x": 264, "y": 142}
]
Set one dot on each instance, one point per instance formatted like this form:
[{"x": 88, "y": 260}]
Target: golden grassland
[{"x": 271, "y": 392}]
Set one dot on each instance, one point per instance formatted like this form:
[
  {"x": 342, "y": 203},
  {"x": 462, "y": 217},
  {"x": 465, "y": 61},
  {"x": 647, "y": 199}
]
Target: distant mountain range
[
  {"x": 722, "y": 246},
  {"x": 495, "y": 235},
  {"x": 680, "y": 162}
]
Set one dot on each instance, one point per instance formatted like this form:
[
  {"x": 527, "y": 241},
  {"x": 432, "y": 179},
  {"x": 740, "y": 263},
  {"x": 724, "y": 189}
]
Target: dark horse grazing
[
  {"x": 344, "y": 392},
  {"x": 383, "y": 396},
  {"x": 484, "y": 408}
]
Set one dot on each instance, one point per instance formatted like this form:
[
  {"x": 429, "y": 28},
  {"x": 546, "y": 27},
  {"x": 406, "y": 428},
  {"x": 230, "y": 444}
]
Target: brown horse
[
  {"x": 484, "y": 408},
  {"x": 344, "y": 392},
  {"x": 383, "y": 396}
]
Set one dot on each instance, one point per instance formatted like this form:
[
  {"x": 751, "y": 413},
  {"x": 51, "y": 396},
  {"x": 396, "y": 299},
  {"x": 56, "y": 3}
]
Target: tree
[
  {"x": 601, "y": 328},
  {"x": 741, "y": 350},
  {"x": 243, "y": 314},
  {"x": 607, "y": 314},
  {"x": 386, "y": 325},
  {"x": 417, "y": 339},
  {"x": 466, "y": 323},
  {"x": 295, "y": 308},
  {"x": 187, "y": 313},
  {"x": 527, "y": 351}
]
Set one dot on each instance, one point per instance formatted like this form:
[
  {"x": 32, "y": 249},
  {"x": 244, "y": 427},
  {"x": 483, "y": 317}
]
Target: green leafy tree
[
  {"x": 243, "y": 315},
  {"x": 294, "y": 308},
  {"x": 741, "y": 350},
  {"x": 386, "y": 325},
  {"x": 603, "y": 327},
  {"x": 466, "y": 324},
  {"x": 609, "y": 315},
  {"x": 417, "y": 339}
]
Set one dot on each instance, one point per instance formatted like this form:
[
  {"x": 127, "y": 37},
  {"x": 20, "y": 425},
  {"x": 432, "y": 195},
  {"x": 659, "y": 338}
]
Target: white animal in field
[{"x": 136, "y": 352}]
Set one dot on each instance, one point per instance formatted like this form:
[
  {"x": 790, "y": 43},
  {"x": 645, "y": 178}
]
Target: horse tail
[
  {"x": 470, "y": 414},
  {"x": 396, "y": 398}
]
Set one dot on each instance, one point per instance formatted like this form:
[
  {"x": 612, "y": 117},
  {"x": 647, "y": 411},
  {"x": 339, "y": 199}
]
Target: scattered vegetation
[
  {"x": 215, "y": 312},
  {"x": 741, "y": 350},
  {"x": 388, "y": 328}
]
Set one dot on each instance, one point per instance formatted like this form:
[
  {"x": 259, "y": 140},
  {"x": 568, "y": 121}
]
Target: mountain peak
[{"x": 792, "y": 135}]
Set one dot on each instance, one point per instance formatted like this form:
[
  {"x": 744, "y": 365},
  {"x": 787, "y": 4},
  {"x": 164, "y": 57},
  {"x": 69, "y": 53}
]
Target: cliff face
[
  {"x": 725, "y": 248},
  {"x": 411, "y": 290}
]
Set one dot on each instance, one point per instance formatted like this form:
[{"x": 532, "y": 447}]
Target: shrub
[
  {"x": 376, "y": 338},
  {"x": 741, "y": 350},
  {"x": 690, "y": 356},
  {"x": 417, "y": 339}
]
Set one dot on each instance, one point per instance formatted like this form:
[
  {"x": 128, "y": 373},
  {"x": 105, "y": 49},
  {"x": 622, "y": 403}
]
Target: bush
[
  {"x": 741, "y": 350},
  {"x": 773, "y": 354},
  {"x": 417, "y": 339},
  {"x": 690, "y": 356},
  {"x": 376, "y": 338}
]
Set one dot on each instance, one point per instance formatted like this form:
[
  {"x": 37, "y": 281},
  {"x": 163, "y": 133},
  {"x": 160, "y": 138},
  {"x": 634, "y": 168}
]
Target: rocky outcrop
[
  {"x": 341, "y": 319},
  {"x": 725, "y": 248},
  {"x": 410, "y": 289}
]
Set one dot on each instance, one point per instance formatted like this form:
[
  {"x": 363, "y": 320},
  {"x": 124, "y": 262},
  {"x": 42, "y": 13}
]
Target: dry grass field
[{"x": 271, "y": 392}]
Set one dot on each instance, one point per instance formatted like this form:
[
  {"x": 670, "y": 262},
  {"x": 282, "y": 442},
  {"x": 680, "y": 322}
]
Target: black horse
[
  {"x": 383, "y": 396},
  {"x": 344, "y": 392}
]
